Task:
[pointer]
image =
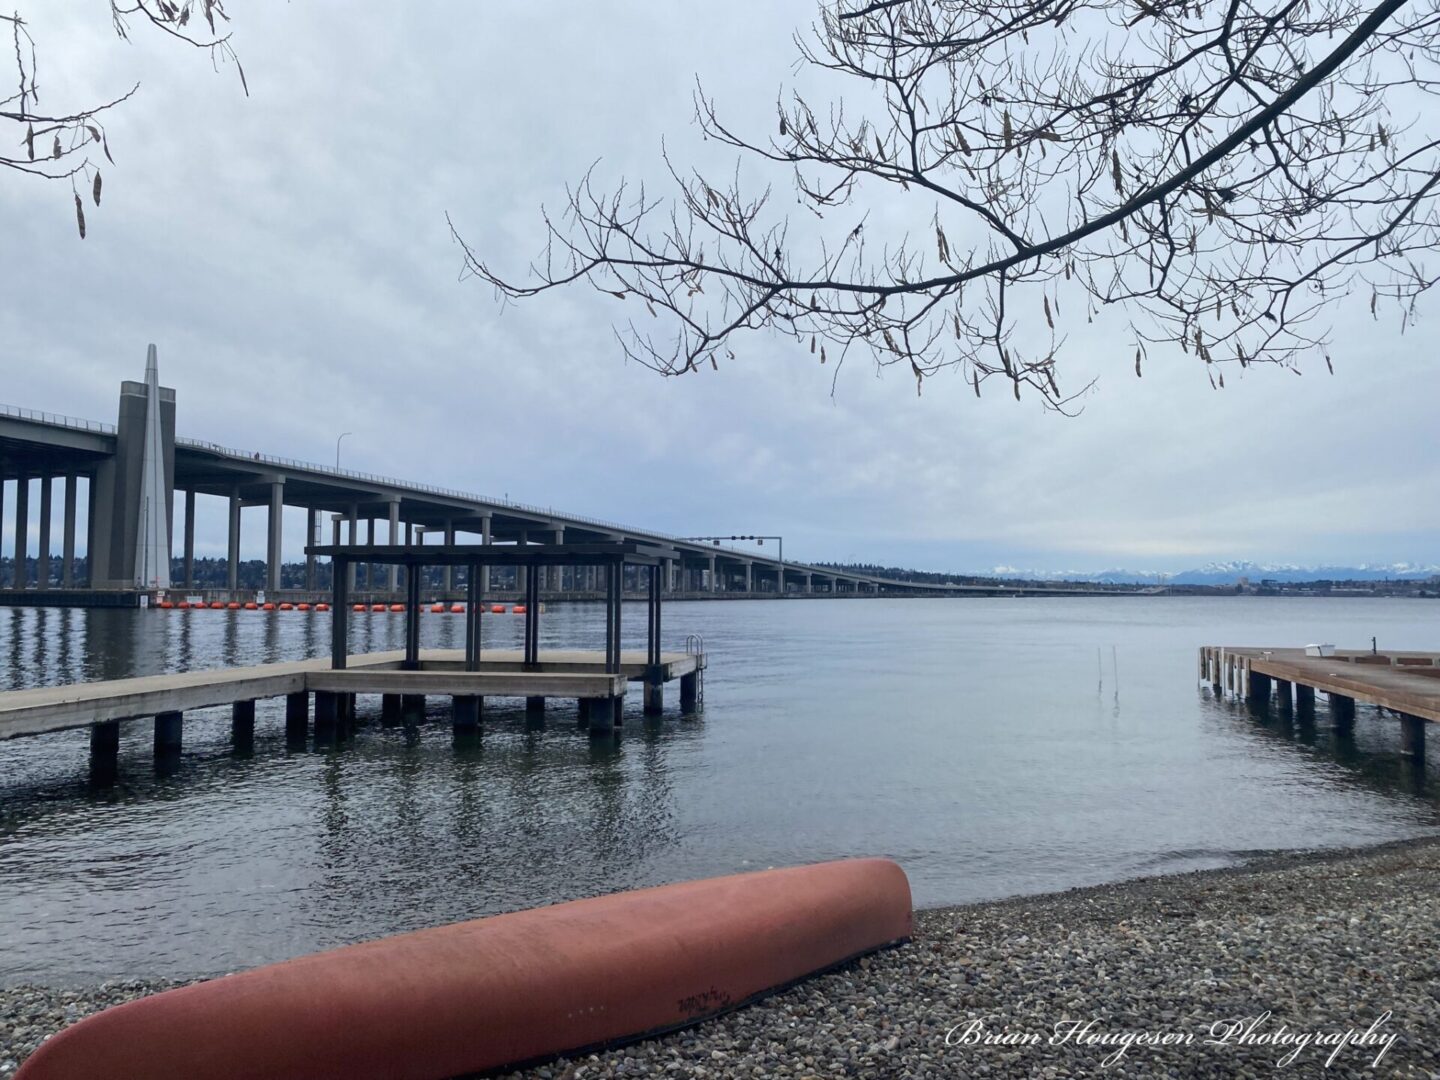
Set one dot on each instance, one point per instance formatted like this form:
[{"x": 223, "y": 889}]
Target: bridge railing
[{"x": 75, "y": 422}]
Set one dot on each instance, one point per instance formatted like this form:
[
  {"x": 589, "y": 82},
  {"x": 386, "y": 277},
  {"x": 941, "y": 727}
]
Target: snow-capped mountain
[{"x": 1228, "y": 573}]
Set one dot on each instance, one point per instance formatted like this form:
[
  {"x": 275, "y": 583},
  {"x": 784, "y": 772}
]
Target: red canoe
[{"x": 513, "y": 988}]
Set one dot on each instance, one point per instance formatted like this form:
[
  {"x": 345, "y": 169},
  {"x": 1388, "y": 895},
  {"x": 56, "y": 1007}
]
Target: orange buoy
[
  {"x": 233, "y": 605},
  {"x": 250, "y": 605},
  {"x": 358, "y": 607},
  {"x": 457, "y": 609},
  {"x": 322, "y": 607},
  {"x": 216, "y": 605},
  {"x": 437, "y": 607},
  {"x": 165, "y": 604},
  {"x": 518, "y": 609},
  {"x": 397, "y": 607},
  {"x": 182, "y": 605},
  {"x": 377, "y": 607},
  {"x": 476, "y": 996},
  {"x": 267, "y": 606},
  {"x": 299, "y": 607},
  {"x": 497, "y": 609}
]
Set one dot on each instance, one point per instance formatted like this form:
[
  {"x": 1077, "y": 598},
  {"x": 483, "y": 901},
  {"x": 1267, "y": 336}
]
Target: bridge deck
[{"x": 559, "y": 674}]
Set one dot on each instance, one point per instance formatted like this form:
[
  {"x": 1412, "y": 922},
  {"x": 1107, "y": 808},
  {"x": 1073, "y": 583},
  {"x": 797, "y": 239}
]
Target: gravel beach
[{"x": 1235, "y": 970}]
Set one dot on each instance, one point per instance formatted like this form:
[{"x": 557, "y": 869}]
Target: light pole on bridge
[{"x": 337, "y": 448}]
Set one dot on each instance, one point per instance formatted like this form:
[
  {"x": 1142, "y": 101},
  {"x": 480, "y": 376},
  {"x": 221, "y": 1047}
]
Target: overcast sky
[{"x": 288, "y": 253}]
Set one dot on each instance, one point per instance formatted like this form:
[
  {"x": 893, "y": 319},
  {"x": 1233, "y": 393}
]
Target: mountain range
[{"x": 1229, "y": 573}]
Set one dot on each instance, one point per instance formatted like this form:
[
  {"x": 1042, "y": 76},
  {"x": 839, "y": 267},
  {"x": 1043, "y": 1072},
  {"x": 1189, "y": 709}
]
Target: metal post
[
  {"x": 472, "y": 618},
  {"x": 532, "y": 614},
  {"x": 339, "y": 611},
  {"x": 67, "y": 550},
  {"x": 412, "y": 617},
  {"x": 312, "y": 528},
  {"x": 189, "y": 539}
]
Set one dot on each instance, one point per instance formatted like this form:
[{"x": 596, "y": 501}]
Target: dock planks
[{"x": 1405, "y": 681}]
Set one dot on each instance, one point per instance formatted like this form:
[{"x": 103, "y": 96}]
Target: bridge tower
[{"x": 133, "y": 493}]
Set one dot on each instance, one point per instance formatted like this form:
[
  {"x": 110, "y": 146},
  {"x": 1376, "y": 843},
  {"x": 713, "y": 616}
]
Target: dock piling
[
  {"x": 168, "y": 733},
  {"x": 327, "y": 713},
  {"x": 242, "y": 723},
  {"x": 1412, "y": 735},
  {"x": 297, "y": 716},
  {"x": 465, "y": 712},
  {"x": 689, "y": 692},
  {"x": 390, "y": 710},
  {"x": 104, "y": 743}
]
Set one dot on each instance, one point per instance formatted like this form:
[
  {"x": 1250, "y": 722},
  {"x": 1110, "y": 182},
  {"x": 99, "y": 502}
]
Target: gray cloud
[{"x": 289, "y": 254}]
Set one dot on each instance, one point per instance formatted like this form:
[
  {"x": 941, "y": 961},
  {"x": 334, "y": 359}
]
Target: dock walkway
[
  {"x": 562, "y": 674},
  {"x": 1406, "y": 682}
]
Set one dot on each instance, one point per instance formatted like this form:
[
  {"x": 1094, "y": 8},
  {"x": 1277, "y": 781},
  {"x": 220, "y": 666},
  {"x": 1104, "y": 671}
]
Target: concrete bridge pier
[
  {"x": 188, "y": 542},
  {"x": 42, "y": 556},
  {"x": 392, "y": 582},
  {"x": 274, "y": 527},
  {"x": 22, "y": 532},
  {"x": 232, "y": 557}
]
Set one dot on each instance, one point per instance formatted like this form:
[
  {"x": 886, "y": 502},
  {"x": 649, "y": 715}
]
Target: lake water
[{"x": 991, "y": 746}]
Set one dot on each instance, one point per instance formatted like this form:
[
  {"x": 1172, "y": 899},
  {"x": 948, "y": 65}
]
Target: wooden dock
[
  {"x": 1403, "y": 681},
  {"x": 557, "y": 674}
]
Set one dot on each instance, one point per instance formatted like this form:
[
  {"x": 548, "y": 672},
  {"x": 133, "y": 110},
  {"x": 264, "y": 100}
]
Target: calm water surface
[{"x": 993, "y": 747}]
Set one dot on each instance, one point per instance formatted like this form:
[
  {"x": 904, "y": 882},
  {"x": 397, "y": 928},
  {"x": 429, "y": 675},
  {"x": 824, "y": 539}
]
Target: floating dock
[{"x": 1405, "y": 682}]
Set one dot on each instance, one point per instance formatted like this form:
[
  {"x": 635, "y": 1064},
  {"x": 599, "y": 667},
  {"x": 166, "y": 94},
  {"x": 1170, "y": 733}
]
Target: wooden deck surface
[
  {"x": 561, "y": 673},
  {"x": 1403, "y": 680}
]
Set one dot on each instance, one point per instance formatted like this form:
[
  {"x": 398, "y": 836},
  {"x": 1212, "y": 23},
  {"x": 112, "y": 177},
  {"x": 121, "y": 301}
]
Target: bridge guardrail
[{"x": 58, "y": 419}]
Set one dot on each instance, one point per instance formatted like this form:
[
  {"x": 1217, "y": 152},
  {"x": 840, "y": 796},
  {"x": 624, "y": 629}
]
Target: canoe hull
[{"x": 478, "y": 995}]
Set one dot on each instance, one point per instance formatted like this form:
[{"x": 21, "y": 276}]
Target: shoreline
[{"x": 1324, "y": 940}]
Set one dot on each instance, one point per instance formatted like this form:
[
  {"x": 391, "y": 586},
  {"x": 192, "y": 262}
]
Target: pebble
[{"x": 1323, "y": 942}]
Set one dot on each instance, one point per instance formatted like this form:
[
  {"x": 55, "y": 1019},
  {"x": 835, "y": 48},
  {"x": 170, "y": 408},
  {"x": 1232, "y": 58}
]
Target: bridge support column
[
  {"x": 233, "y": 551},
  {"x": 297, "y": 716},
  {"x": 188, "y": 541},
  {"x": 393, "y": 576},
  {"x": 67, "y": 538},
  {"x": 22, "y": 532},
  {"x": 484, "y": 539},
  {"x": 710, "y": 572},
  {"x": 312, "y": 536},
  {"x": 273, "y": 547},
  {"x": 242, "y": 723},
  {"x": 168, "y": 733},
  {"x": 447, "y": 577},
  {"x": 353, "y": 518},
  {"x": 42, "y": 554}
]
